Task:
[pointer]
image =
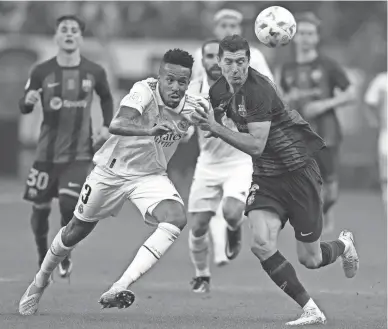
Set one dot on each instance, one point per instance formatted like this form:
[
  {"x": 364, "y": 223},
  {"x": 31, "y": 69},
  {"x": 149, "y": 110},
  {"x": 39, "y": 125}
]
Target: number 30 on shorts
[
  {"x": 38, "y": 179},
  {"x": 86, "y": 194}
]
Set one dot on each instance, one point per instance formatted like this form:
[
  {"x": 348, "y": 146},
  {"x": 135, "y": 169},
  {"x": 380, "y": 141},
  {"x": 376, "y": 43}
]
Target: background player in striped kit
[
  {"x": 64, "y": 86},
  {"x": 315, "y": 85},
  {"x": 221, "y": 181},
  {"x": 226, "y": 22}
]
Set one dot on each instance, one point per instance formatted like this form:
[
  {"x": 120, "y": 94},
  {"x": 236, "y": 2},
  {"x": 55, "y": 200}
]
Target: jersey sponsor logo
[
  {"x": 168, "y": 139},
  {"x": 87, "y": 85},
  {"x": 55, "y": 103}
]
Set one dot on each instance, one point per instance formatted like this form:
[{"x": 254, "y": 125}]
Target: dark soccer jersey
[
  {"x": 290, "y": 143},
  {"x": 315, "y": 81},
  {"x": 66, "y": 94}
]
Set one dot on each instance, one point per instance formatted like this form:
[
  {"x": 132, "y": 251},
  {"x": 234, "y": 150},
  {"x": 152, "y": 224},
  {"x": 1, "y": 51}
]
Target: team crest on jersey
[
  {"x": 152, "y": 83},
  {"x": 242, "y": 110},
  {"x": 135, "y": 97},
  {"x": 87, "y": 85},
  {"x": 55, "y": 103},
  {"x": 316, "y": 75},
  {"x": 183, "y": 125}
]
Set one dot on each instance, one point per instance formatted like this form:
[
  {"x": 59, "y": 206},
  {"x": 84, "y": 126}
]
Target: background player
[
  {"x": 286, "y": 181},
  {"x": 226, "y": 22},
  {"x": 311, "y": 85},
  {"x": 64, "y": 86},
  {"x": 221, "y": 180},
  {"x": 132, "y": 165},
  {"x": 376, "y": 98}
]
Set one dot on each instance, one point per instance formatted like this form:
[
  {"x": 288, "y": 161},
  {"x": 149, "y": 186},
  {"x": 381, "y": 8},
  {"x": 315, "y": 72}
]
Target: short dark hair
[
  {"x": 234, "y": 43},
  {"x": 208, "y": 42},
  {"x": 308, "y": 17},
  {"x": 178, "y": 57},
  {"x": 71, "y": 17}
]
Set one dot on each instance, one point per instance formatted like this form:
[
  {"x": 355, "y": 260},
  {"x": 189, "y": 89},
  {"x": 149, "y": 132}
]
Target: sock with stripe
[
  {"x": 149, "y": 253},
  {"x": 284, "y": 276}
]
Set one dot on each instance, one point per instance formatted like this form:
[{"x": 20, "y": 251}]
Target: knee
[
  {"x": 172, "y": 212},
  {"x": 200, "y": 222},
  {"x": 232, "y": 210},
  {"x": 263, "y": 247},
  {"x": 310, "y": 261}
]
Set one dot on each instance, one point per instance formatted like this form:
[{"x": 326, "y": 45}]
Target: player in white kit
[
  {"x": 376, "y": 98},
  {"x": 226, "y": 22},
  {"x": 220, "y": 185},
  {"x": 131, "y": 165}
]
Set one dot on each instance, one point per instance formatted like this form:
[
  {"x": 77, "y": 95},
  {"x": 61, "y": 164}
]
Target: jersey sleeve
[
  {"x": 106, "y": 99},
  {"x": 338, "y": 76},
  {"x": 259, "y": 107},
  {"x": 138, "y": 98},
  {"x": 34, "y": 82},
  {"x": 372, "y": 95}
]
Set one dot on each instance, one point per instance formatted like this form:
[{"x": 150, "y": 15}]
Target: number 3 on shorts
[{"x": 86, "y": 194}]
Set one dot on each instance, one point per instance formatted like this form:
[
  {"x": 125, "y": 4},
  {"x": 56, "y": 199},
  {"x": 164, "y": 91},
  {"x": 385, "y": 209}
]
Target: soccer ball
[{"x": 275, "y": 26}]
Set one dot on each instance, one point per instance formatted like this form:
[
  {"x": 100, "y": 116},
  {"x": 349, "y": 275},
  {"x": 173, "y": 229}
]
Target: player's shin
[
  {"x": 283, "y": 274},
  {"x": 40, "y": 227},
  {"x": 331, "y": 251},
  {"x": 199, "y": 254},
  {"x": 217, "y": 228},
  {"x": 149, "y": 253},
  {"x": 57, "y": 252}
]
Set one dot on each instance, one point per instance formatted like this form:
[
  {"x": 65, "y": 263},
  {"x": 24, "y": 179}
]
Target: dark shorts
[
  {"x": 294, "y": 196},
  {"x": 48, "y": 180},
  {"x": 328, "y": 162}
]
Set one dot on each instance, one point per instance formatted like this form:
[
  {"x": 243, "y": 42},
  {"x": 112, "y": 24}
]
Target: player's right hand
[
  {"x": 162, "y": 128},
  {"x": 32, "y": 97}
]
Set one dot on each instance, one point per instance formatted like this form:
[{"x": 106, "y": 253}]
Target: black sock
[
  {"x": 40, "y": 227},
  {"x": 284, "y": 275},
  {"x": 331, "y": 251}
]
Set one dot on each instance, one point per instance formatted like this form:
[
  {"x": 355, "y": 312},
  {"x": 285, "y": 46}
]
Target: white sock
[
  {"x": 199, "y": 253},
  {"x": 310, "y": 305},
  {"x": 217, "y": 228},
  {"x": 149, "y": 253},
  {"x": 57, "y": 253}
]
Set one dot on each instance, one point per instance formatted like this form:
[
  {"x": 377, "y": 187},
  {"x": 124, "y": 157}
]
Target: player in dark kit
[
  {"x": 309, "y": 84},
  {"x": 64, "y": 87},
  {"x": 286, "y": 183}
]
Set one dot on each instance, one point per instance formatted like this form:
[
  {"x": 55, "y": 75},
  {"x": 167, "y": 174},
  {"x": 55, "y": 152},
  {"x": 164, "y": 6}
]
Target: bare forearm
[
  {"x": 241, "y": 141},
  {"x": 342, "y": 98}
]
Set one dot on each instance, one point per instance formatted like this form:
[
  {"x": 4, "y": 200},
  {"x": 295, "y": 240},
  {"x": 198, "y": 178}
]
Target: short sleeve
[
  {"x": 138, "y": 98},
  {"x": 338, "y": 76},
  {"x": 259, "y": 107},
  {"x": 34, "y": 81},
  {"x": 372, "y": 95}
]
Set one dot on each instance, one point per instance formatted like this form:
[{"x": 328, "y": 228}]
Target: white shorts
[
  {"x": 212, "y": 184},
  {"x": 103, "y": 195}
]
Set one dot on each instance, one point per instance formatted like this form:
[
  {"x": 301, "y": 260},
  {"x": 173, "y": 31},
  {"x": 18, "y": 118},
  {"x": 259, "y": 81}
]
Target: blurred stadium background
[{"x": 128, "y": 39}]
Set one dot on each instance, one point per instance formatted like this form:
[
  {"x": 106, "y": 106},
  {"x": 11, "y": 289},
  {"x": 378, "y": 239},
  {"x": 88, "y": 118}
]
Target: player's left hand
[{"x": 314, "y": 108}]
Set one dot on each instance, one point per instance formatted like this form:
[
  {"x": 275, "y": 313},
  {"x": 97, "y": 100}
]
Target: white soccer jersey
[
  {"x": 376, "y": 96},
  {"x": 215, "y": 150},
  {"x": 258, "y": 63},
  {"x": 143, "y": 155}
]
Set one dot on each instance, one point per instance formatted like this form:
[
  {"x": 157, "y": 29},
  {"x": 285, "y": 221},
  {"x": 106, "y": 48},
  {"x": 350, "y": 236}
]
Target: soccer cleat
[
  {"x": 29, "y": 302},
  {"x": 350, "y": 260},
  {"x": 233, "y": 243},
  {"x": 117, "y": 297},
  {"x": 201, "y": 284},
  {"x": 310, "y": 316},
  {"x": 65, "y": 268}
]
